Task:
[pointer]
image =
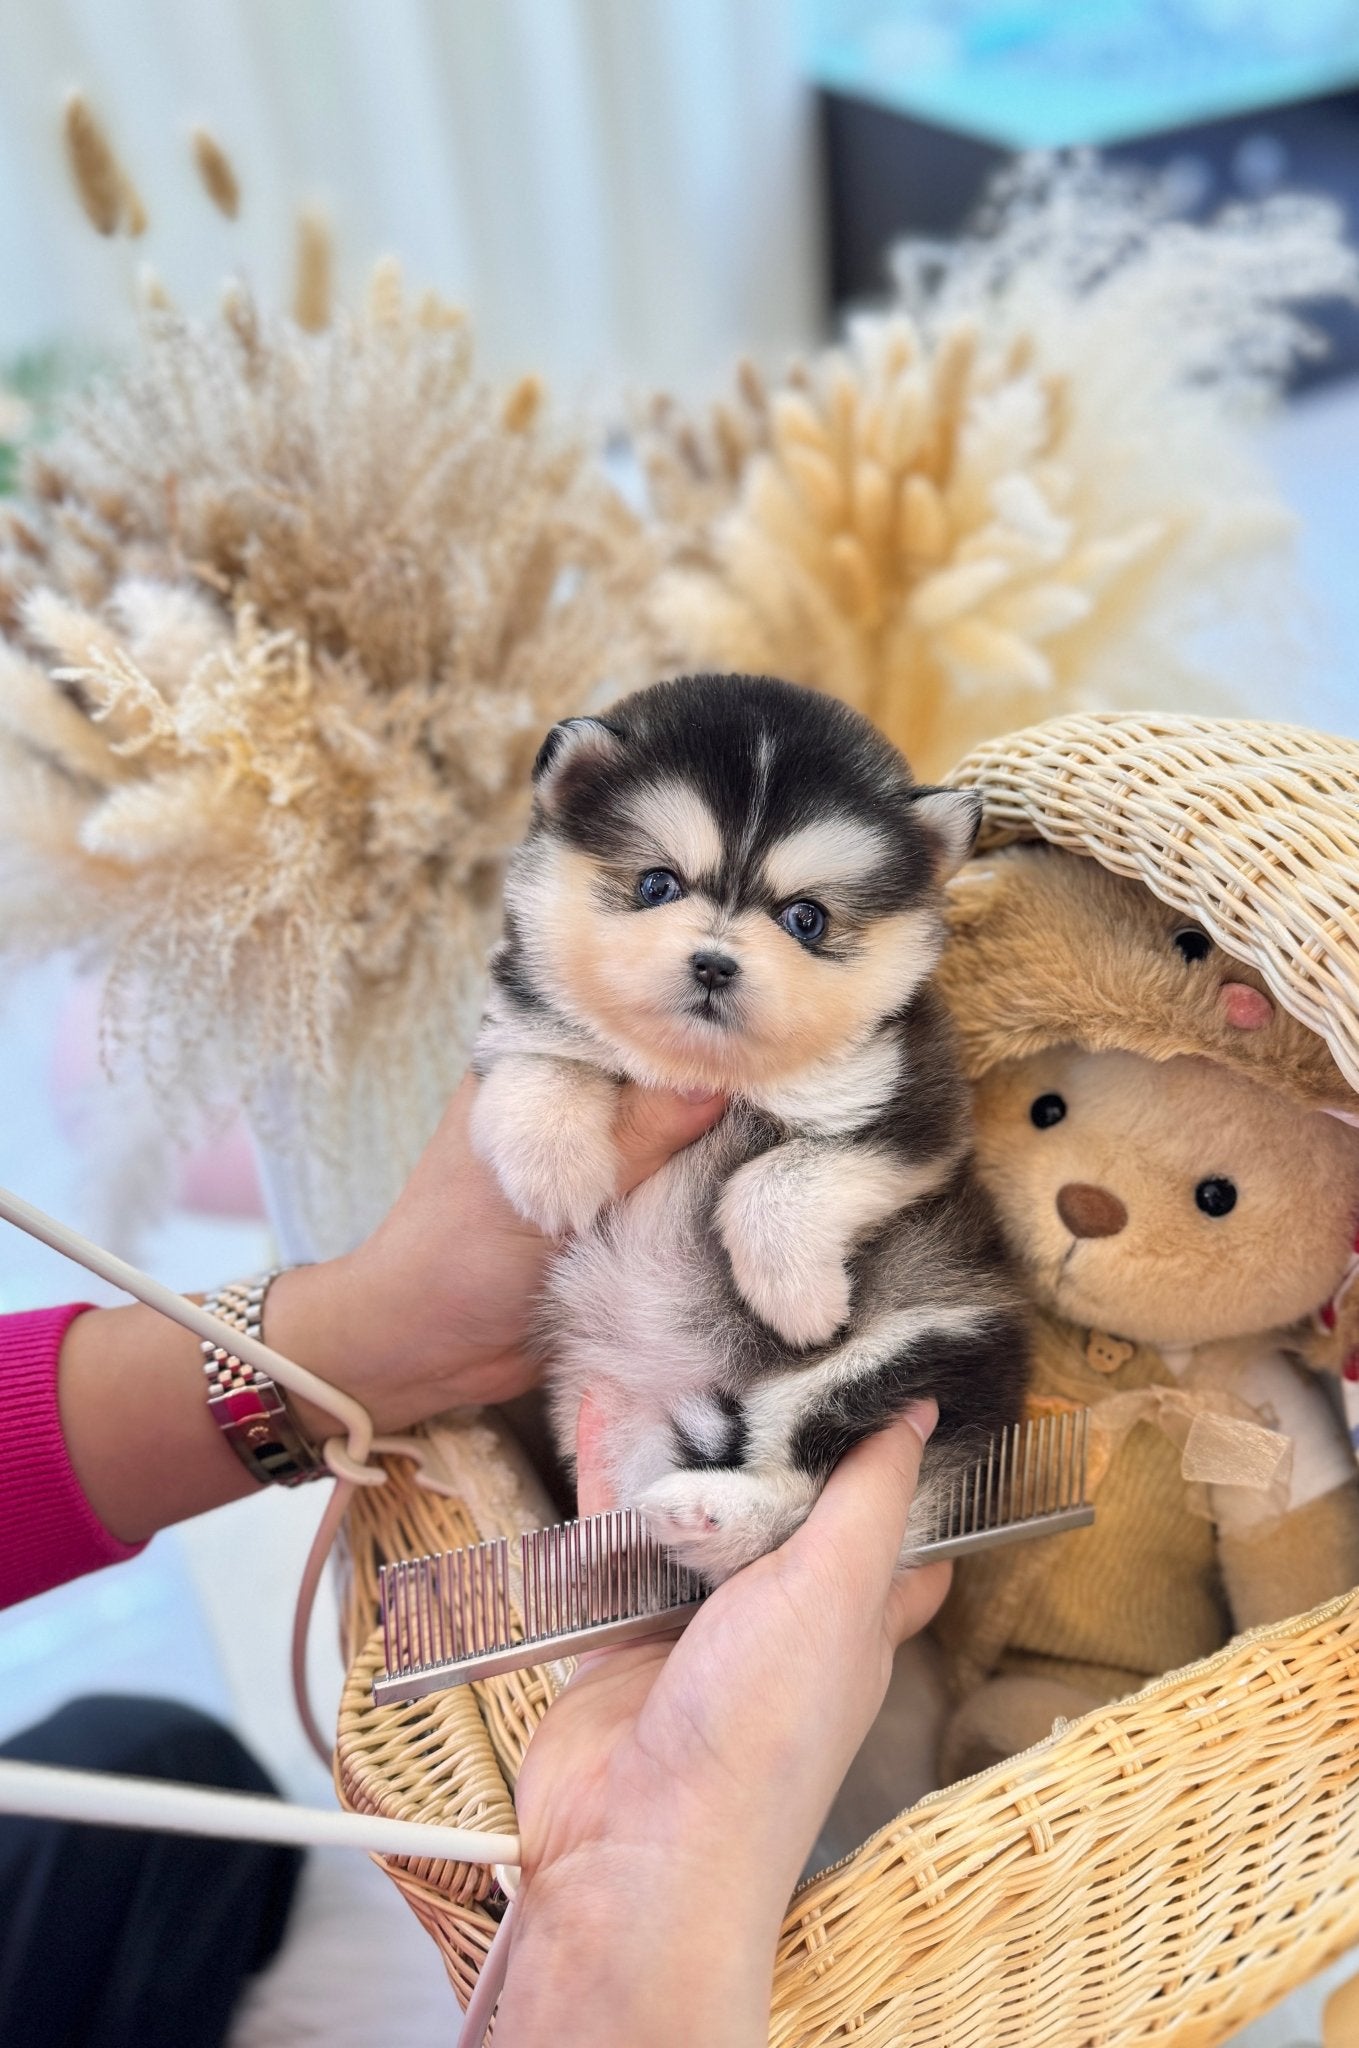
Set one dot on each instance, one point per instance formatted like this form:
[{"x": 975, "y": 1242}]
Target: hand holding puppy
[
  {"x": 433, "y": 1310},
  {"x": 669, "y": 1799}
]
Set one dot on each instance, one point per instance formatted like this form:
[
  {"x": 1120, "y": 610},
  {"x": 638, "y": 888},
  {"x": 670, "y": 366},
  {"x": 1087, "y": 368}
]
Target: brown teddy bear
[{"x": 1173, "y": 1159}]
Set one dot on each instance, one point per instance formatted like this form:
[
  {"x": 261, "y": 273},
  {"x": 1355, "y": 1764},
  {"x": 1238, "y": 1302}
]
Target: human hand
[
  {"x": 433, "y": 1310},
  {"x": 670, "y": 1797}
]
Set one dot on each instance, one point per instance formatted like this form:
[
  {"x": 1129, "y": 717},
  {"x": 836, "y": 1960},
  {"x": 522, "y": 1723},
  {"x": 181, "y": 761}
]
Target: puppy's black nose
[{"x": 714, "y": 970}]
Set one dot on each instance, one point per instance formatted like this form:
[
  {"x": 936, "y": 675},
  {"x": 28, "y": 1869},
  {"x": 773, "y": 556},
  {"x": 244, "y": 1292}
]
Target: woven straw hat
[
  {"x": 1252, "y": 830},
  {"x": 1173, "y": 1863}
]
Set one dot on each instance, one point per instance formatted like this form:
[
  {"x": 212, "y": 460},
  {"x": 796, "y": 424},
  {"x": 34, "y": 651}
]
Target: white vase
[{"x": 331, "y": 1166}]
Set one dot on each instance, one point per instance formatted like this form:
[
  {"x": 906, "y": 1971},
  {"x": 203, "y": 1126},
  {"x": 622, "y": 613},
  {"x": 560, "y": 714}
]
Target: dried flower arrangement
[
  {"x": 283, "y": 617},
  {"x": 1024, "y": 488},
  {"x": 286, "y": 606}
]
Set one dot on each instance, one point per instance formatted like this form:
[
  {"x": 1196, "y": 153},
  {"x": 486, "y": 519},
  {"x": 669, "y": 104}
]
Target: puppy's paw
[
  {"x": 805, "y": 1306},
  {"x": 787, "y": 1257},
  {"x": 559, "y": 1187},
  {"x": 545, "y": 1127},
  {"x": 716, "y": 1522}
]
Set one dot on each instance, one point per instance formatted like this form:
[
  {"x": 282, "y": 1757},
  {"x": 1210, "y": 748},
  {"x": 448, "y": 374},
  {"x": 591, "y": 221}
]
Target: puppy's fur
[{"x": 733, "y": 885}]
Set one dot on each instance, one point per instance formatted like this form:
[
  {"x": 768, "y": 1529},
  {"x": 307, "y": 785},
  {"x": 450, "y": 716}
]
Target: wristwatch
[{"x": 248, "y": 1407}]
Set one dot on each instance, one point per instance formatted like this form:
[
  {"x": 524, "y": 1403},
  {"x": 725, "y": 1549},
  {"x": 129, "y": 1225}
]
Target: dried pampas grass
[
  {"x": 1027, "y": 486},
  {"x": 216, "y": 172},
  {"x": 314, "y": 270},
  {"x": 284, "y": 619},
  {"x": 105, "y": 190}
]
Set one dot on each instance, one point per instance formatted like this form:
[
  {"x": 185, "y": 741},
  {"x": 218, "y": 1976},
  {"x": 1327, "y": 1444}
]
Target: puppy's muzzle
[{"x": 714, "y": 970}]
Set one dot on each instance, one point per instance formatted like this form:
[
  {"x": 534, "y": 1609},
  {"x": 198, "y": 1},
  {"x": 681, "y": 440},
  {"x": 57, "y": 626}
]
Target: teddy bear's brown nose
[{"x": 1090, "y": 1212}]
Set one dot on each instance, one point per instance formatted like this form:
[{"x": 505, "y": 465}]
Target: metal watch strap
[{"x": 247, "y": 1406}]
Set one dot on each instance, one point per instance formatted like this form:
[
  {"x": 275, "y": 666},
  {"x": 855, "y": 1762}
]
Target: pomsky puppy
[{"x": 733, "y": 884}]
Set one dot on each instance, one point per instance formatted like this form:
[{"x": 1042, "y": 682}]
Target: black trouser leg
[{"x": 116, "y": 1938}]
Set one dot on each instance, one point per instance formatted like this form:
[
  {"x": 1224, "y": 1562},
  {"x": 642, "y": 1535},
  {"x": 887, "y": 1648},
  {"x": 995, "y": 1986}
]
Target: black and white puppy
[{"x": 734, "y": 885}]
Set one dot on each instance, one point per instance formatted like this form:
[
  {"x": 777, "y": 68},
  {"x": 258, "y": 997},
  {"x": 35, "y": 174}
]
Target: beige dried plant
[
  {"x": 284, "y": 619},
  {"x": 103, "y": 186},
  {"x": 216, "y": 172},
  {"x": 1028, "y": 486},
  {"x": 313, "y": 270}
]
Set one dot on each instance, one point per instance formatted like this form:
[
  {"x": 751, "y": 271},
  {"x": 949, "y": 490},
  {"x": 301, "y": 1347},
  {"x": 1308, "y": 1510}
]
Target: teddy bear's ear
[
  {"x": 974, "y": 894},
  {"x": 566, "y": 750},
  {"x": 952, "y": 818}
]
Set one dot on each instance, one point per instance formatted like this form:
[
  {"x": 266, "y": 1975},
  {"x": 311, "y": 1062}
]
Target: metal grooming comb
[{"x": 449, "y": 1619}]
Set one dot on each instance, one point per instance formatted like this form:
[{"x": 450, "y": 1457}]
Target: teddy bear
[{"x": 1176, "y": 1165}]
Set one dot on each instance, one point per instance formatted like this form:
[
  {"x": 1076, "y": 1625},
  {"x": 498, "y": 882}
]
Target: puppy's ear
[
  {"x": 952, "y": 818},
  {"x": 569, "y": 747}
]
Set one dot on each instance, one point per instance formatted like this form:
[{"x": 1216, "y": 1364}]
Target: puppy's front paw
[
  {"x": 786, "y": 1262},
  {"x": 805, "y": 1306},
  {"x": 545, "y": 1127},
  {"x": 715, "y": 1522}
]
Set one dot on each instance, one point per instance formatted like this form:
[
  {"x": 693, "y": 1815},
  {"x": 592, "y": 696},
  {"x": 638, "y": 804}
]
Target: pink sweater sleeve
[{"x": 48, "y": 1531}]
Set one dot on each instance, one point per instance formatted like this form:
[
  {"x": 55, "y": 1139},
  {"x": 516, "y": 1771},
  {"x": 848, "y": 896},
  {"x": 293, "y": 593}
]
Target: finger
[
  {"x": 594, "y": 1495},
  {"x": 862, "y": 1512},
  {"x": 654, "y": 1123},
  {"x": 917, "y": 1595}
]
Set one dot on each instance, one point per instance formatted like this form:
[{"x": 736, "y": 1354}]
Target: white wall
[{"x": 617, "y": 188}]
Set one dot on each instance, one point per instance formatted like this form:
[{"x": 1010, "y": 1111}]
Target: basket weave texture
[
  {"x": 1165, "y": 1868},
  {"x": 1252, "y": 829}
]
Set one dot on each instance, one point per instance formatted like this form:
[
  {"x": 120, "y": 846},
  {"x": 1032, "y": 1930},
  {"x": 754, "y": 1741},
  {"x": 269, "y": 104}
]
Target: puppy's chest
[
  {"x": 843, "y": 1095},
  {"x": 643, "y": 1298},
  {"x": 668, "y": 1222}
]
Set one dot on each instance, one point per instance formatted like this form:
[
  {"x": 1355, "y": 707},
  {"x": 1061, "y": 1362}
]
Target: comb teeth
[
  {"x": 456, "y": 1617},
  {"x": 603, "y": 1573},
  {"x": 1031, "y": 1481}
]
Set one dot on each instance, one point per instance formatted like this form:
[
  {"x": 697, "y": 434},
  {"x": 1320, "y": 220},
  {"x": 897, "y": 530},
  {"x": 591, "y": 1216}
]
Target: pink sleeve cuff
[{"x": 48, "y": 1531}]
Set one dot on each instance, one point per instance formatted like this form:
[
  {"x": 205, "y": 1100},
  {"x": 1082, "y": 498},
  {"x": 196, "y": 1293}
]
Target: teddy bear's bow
[{"x": 1221, "y": 1440}]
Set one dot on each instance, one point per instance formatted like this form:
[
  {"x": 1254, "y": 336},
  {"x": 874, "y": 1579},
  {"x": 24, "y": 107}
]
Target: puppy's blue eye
[
  {"x": 1217, "y": 1196},
  {"x": 1047, "y": 1111},
  {"x": 659, "y": 885},
  {"x": 805, "y": 920}
]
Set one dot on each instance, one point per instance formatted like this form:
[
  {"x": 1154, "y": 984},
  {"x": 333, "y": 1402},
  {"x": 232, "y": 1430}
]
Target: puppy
[{"x": 733, "y": 885}]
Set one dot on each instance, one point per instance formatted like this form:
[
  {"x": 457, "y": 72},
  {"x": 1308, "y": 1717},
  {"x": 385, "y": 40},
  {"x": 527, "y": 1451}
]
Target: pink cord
[
  {"x": 488, "y": 1987},
  {"x": 491, "y": 1981},
  {"x": 326, "y": 1530}
]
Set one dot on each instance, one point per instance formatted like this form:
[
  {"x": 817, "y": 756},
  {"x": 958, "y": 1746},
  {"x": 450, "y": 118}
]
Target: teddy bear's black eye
[
  {"x": 1192, "y": 944},
  {"x": 1217, "y": 1196},
  {"x": 1047, "y": 1111},
  {"x": 659, "y": 885}
]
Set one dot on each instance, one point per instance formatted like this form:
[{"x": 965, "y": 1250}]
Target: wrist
[
  {"x": 317, "y": 1316},
  {"x": 642, "y": 1951},
  {"x": 335, "y": 1319}
]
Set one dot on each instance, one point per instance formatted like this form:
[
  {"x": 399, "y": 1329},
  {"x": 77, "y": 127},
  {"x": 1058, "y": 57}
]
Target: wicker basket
[{"x": 1165, "y": 1868}]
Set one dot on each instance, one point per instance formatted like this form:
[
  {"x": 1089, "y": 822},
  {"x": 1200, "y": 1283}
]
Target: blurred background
[
  {"x": 632, "y": 189},
  {"x": 628, "y": 194}
]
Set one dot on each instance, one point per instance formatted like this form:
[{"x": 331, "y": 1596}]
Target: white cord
[
  {"x": 104, "y": 1800},
  {"x": 326, "y": 1530},
  {"x": 347, "y": 1463},
  {"x": 489, "y": 1985},
  {"x": 101, "y": 1799}
]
